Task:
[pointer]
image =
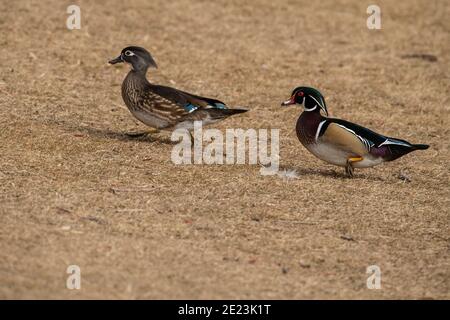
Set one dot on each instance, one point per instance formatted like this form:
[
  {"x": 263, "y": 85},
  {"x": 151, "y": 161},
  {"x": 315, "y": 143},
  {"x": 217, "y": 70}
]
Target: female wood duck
[
  {"x": 163, "y": 107},
  {"x": 340, "y": 142}
]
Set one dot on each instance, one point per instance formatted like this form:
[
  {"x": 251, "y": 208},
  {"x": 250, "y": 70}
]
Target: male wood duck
[
  {"x": 340, "y": 142},
  {"x": 160, "y": 107}
]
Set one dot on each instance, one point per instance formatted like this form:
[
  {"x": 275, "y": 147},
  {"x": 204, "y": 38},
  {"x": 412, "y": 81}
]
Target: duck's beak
[
  {"x": 289, "y": 102},
  {"x": 116, "y": 60}
]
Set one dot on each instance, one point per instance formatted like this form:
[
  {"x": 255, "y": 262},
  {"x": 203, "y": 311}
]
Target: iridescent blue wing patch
[
  {"x": 220, "y": 106},
  {"x": 190, "y": 107},
  {"x": 216, "y": 105}
]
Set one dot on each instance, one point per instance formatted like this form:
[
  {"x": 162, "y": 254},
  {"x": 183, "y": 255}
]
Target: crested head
[
  {"x": 139, "y": 58},
  {"x": 311, "y": 99}
]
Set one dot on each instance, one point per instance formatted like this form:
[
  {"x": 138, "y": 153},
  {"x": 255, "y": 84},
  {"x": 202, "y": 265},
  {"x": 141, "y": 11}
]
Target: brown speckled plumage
[{"x": 138, "y": 95}]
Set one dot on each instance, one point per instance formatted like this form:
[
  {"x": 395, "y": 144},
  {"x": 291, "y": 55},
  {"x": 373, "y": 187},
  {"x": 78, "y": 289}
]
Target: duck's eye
[
  {"x": 300, "y": 94},
  {"x": 128, "y": 53}
]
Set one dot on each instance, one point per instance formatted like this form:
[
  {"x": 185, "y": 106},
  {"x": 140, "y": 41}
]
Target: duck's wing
[
  {"x": 348, "y": 136},
  {"x": 354, "y": 137},
  {"x": 204, "y": 102},
  {"x": 186, "y": 101}
]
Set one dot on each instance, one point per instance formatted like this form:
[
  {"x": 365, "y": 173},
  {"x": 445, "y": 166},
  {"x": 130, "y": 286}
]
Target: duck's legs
[
  {"x": 349, "y": 167},
  {"x": 142, "y": 134}
]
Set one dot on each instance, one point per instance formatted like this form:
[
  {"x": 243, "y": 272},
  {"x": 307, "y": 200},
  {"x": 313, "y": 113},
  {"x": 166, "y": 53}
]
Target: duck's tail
[
  {"x": 420, "y": 146},
  {"x": 399, "y": 150}
]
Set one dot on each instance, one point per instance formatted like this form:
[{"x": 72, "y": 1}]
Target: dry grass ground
[{"x": 75, "y": 190}]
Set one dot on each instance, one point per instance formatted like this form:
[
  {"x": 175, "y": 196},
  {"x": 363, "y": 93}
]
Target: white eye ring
[{"x": 128, "y": 53}]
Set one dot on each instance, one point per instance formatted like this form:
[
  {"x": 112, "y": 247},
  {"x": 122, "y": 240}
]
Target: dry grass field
[{"x": 74, "y": 189}]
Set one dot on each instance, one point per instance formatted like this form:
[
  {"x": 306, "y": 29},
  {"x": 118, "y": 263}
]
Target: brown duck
[{"x": 161, "y": 107}]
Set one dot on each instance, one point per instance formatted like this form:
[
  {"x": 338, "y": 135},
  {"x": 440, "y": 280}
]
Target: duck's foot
[
  {"x": 141, "y": 134},
  {"x": 349, "y": 168}
]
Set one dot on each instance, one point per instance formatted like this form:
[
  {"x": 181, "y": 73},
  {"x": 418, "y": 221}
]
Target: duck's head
[
  {"x": 310, "y": 98},
  {"x": 139, "y": 58}
]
